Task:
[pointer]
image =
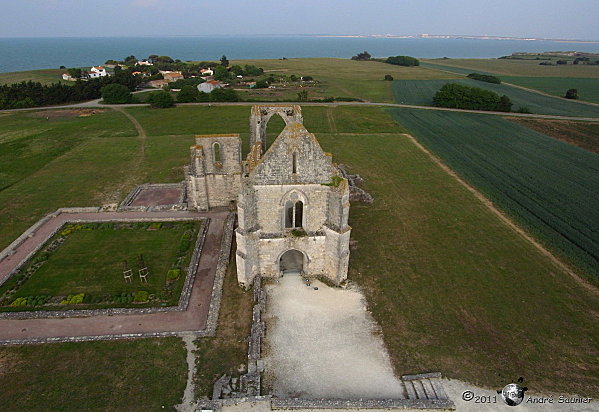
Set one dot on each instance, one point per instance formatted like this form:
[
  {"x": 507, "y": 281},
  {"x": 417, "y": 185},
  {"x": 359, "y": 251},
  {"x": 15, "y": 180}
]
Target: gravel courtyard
[{"x": 323, "y": 344}]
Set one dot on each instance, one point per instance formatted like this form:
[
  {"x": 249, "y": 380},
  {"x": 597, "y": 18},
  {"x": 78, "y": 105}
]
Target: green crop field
[
  {"x": 588, "y": 88},
  {"x": 348, "y": 78},
  {"x": 421, "y": 92},
  {"x": 549, "y": 187},
  {"x": 45, "y": 76},
  {"x": 512, "y": 67}
]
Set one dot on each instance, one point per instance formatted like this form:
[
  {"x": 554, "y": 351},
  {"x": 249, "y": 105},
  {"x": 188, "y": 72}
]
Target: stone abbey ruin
[{"x": 292, "y": 200}]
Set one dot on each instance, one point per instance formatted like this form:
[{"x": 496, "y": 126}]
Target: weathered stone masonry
[{"x": 292, "y": 202}]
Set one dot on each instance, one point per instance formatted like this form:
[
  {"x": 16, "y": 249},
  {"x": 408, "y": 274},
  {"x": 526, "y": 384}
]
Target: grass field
[
  {"x": 227, "y": 351},
  {"x": 138, "y": 375},
  {"x": 588, "y": 88},
  {"x": 548, "y": 186},
  {"x": 62, "y": 162},
  {"x": 582, "y": 134},
  {"x": 45, "y": 76},
  {"x": 453, "y": 288},
  {"x": 421, "y": 93},
  {"x": 90, "y": 261},
  {"x": 347, "y": 78},
  {"x": 509, "y": 67}
]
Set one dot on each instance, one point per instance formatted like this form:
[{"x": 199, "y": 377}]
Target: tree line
[
  {"x": 34, "y": 94},
  {"x": 457, "y": 96}
]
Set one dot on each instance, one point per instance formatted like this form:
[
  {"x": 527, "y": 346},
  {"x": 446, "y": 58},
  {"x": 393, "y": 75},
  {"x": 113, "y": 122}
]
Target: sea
[{"x": 17, "y": 54}]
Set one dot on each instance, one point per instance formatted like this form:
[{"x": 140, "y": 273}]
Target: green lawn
[
  {"x": 421, "y": 92},
  {"x": 547, "y": 186},
  {"x": 509, "y": 67},
  {"x": 90, "y": 261},
  {"x": 45, "y": 76},
  {"x": 138, "y": 375},
  {"x": 454, "y": 289}
]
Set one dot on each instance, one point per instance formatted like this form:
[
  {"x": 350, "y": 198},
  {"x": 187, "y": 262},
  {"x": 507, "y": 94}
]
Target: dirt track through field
[{"x": 592, "y": 289}]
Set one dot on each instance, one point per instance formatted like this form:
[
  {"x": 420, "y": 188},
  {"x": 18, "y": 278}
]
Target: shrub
[
  {"x": 403, "y": 61},
  {"x": 571, "y": 94},
  {"x": 485, "y": 78},
  {"x": 223, "y": 95},
  {"x": 523, "y": 109},
  {"x": 19, "y": 302},
  {"x": 140, "y": 296},
  {"x": 188, "y": 94},
  {"x": 116, "y": 94},
  {"x": 298, "y": 233},
  {"x": 388, "y": 77},
  {"x": 173, "y": 274},
  {"x": 161, "y": 100},
  {"x": 73, "y": 299},
  {"x": 261, "y": 84},
  {"x": 155, "y": 226},
  {"x": 184, "y": 245},
  {"x": 458, "y": 96}
]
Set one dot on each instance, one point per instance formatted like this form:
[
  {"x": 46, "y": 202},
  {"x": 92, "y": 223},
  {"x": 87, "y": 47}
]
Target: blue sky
[{"x": 572, "y": 19}]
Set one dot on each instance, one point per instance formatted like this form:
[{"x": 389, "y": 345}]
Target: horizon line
[{"x": 423, "y": 36}]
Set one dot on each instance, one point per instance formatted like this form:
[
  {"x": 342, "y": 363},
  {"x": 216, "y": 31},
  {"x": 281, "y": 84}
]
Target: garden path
[{"x": 13, "y": 331}]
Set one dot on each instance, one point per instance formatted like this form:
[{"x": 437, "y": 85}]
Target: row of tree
[
  {"x": 403, "y": 61},
  {"x": 485, "y": 78},
  {"x": 33, "y": 94},
  {"x": 458, "y": 96}
]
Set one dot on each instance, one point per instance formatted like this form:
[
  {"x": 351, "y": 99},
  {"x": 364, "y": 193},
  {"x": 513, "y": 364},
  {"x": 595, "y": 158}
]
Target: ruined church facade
[{"x": 292, "y": 202}]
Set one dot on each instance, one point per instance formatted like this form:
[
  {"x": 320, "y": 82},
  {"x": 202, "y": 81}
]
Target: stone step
[{"x": 424, "y": 386}]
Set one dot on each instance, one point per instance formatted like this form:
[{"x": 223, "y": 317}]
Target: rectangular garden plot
[{"x": 83, "y": 265}]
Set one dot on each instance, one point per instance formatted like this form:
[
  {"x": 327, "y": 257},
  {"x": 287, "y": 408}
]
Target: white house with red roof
[
  {"x": 210, "y": 85},
  {"x": 97, "y": 71}
]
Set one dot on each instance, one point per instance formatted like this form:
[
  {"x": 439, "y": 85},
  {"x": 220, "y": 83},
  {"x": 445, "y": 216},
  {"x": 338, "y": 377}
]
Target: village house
[
  {"x": 207, "y": 72},
  {"x": 210, "y": 85},
  {"x": 158, "y": 84},
  {"x": 171, "y": 76},
  {"x": 145, "y": 63},
  {"x": 98, "y": 71}
]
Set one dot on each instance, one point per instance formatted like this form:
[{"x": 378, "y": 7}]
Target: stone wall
[
  {"x": 261, "y": 114},
  {"x": 213, "y": 178},
  {"x": 183, "y": 298}
]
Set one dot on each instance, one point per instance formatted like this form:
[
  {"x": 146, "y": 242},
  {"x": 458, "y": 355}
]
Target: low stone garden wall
[{"x": 185, "y": 292}]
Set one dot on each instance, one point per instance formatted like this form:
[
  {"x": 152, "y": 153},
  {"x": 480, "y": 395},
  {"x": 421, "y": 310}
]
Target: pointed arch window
[{"x": 294, "y": 214}]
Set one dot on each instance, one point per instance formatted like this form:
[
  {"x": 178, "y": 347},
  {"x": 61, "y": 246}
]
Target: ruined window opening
[
  {"x": 295, "y": 163},
  {"x": 289, "y": 214},
  {"x": 299, "y": 213},
  {"x": 216, "y": 152},
  {"x": 294, "y": 213}
]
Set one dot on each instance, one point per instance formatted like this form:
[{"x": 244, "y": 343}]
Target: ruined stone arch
[
  {"x": 293, "y": 259},
  {"x": 262, "y": 114}
]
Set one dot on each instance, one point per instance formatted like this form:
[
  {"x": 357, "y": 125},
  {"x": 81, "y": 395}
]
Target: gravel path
[{"x": 322, "y": 344}]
